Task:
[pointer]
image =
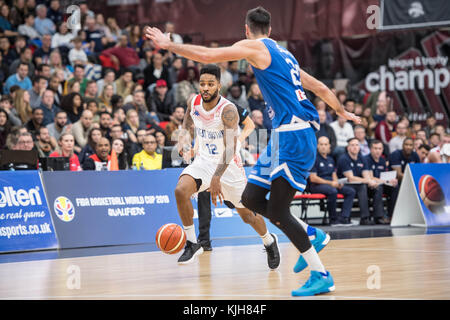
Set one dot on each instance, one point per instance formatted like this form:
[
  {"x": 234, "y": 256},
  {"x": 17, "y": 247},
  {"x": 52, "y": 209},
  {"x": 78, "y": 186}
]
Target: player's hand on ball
[
  {"x": 159, "y": 38},
  {"x": 216, "y": 190}
]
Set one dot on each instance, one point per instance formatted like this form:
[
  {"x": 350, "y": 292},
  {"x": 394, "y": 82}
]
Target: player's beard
[{"x": 212, "y": 97}]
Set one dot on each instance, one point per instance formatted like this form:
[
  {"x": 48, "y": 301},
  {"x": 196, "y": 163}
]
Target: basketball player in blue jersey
[{"x": 282, "y": 169}]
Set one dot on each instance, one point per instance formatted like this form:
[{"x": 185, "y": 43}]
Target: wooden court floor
[{"x": 405, "y": 267}]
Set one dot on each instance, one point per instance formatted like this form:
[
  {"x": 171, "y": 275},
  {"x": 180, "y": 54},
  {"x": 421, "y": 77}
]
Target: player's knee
[
  {"x": 247, "y": 218},
  {"x": 181, "y": 192}
]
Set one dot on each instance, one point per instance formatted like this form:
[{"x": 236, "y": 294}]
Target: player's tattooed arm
[{"x": 230, "y": 119}]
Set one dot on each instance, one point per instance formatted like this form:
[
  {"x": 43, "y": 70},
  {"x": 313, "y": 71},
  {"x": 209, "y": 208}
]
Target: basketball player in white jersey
[{"x": 217, "y": 166}]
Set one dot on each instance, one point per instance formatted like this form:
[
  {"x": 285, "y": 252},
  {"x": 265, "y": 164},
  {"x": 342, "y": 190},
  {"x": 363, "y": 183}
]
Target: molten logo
[{"x": 64, "y": 209}]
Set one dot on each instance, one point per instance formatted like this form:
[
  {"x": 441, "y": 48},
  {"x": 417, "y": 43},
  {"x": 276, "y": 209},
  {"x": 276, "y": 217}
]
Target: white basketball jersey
[{"x": 209, "y": 128}]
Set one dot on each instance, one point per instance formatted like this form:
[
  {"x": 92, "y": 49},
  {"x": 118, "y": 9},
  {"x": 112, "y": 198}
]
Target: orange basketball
[{"x": 170, "y": 238}]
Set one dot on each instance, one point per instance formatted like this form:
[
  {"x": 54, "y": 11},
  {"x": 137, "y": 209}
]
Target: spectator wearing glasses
[{"x": 148, "y": 159}]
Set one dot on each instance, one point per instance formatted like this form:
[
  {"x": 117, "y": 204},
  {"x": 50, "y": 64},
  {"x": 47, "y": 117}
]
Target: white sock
[
  {"x": 313, "y": 260},
  {"x": 267, "y": 239},
  {"x": 304, "y": 226},
  {"x": 190, "y": 233}
]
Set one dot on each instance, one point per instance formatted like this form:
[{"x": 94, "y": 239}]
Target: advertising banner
[
  {"x": 25, "y": 221},
  {"x": 101, "y": 208},
  {"x": 424, "y": 197}
]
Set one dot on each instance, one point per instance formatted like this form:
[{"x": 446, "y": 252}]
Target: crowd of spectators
[{"x": 84, "y": 93}]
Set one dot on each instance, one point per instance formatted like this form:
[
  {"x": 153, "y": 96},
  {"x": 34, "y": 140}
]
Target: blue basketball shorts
[{"x": 289, "y": 154}]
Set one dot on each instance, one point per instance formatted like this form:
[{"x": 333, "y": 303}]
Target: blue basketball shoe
[
  {"x": 320, "y": 241},
  {"x": 317, "y": 283}
]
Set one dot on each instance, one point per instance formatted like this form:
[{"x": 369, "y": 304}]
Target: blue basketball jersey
[{"x": 281, "y": 87}]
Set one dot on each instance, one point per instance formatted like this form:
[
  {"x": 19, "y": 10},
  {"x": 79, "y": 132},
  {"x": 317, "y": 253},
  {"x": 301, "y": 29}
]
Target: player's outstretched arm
[
  {"x": 230, "y": 119},
  {"x": 244, "y": 49},
  {"x": 323, "y": 92}
]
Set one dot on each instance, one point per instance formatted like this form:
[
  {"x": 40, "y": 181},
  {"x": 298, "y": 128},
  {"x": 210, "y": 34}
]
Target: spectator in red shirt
[
  {"x": 66, "y": 144},
  {"x": 122, "y": 55},
  {"x": 386, "y": 127}
]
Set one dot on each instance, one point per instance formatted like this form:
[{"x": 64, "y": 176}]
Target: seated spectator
[
  {"x": 5, "y": 127},
  {"x": 105, "y": 122},
  {"x": 42, "y": 54},
  {"x": 45, "y": 144},
  {"x": 417, "y": 143},
  {"x": 324, "y": 180},
  {"x": 139, "y": 105},
  {"x": 72, "y": 104},
  {"x": 81, "y": 128},
  {"x": 54, "y": 12},
  {"x": 400, "y": 158},
  {"x": 368, "y": 123},
  {"x": 176, "y": 122},
  {"x": 77, "y": 56},
  {"x": 8, "y": 54},
  {"x": 430, "y": 126},
  {"x": 161, "y": 141},
  {"x": 24, "y": 141},
  {"x": 326, "y": 130},
  {"x": 381, "y": 107},
  {"x": 187, "y": 86},
  {"x": 385, "y": 128},
  {"x": 119, "y": 117},
  {"x": 161, "y": 102},
  {"x": 26, "y": 56},
  {"x": 63, "y": 37},
  {"x": 5, "y": 25},
  {"x": 434, "y": 140},
  {"x": 109, "y": 78},
  {"x": 170, "y": 28},
  {"x": 343, "y": 131},
  {"x": 22, "y": 105},
  {"x": 422, "y": 151},
  {"x": 95, "y": 37},
  {"x": 105, "y": 98},
  {"x": 94, "y": 136},
  {"x": 56, "y": 63},
  {"x": 156, "y": 71},
  {"x": 42, "y": 24},
  {"x": 101, "y": 160},
  {"x": 17, "y": 13},
  {"x": 114, "y": 28},
  {"x": 349, "y": 105},
  {"x": 377, "y": 164},
  {"x": 360, "y": 134},
  {"x": 66, "y": 144},
  {"x": 43, "y": 70},
  {"x": 255, "y": 99},
  {"x": 175, "y": 68},
  {"x": 148, "y": 159},
  {"x": 125, "y": 84},
  {"x": 352, "y": 166},
  {"x": 91, "y": 91},
  {"x": 20, "y": 78},
  {"x": 321, "y": 105},
  {"x": 103, "y": 27},
  {"x": 130, "y": 147},
  {"x": 60, "y": 125},
  {"x": 78, "y": 76},
  {"x": 132, "y": 124},
  {"x": 36, "y": 92},
  {"x": 396, "y": 143},
  {"x": 56, "y": 86},
  {"x": 27, "y": 28},
  {"x": 35, "y": 123},
  {"x": 440, "y": 153},
  {"x": 13, "y": 117},
  {"x": 237, "y": 95},
  {"x": 226, "y": 78},
  {"x": 421, "y": 134},
  {"x": 122, "y": 55},
  {"x": 118, "y": 145}
]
